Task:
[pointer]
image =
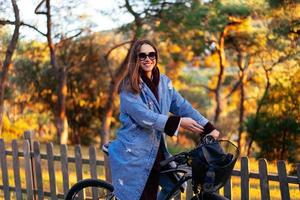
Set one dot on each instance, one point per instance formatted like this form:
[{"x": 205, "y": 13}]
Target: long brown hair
[{"x": 132, "y": 81}]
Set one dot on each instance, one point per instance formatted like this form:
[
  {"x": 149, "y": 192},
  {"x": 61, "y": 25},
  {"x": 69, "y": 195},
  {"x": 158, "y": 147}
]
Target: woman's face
[{"x": 147, "y": 58}]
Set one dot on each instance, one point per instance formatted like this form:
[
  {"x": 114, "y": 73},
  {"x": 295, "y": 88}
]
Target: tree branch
[
  {"x": 234, "y": 88},
  {"x": 207, "y": 88},
  {"x": 109, "y": 52},
  {"x": 71, "y": 37},
  {"x": 34, "y": 28},
  {"x": 130, "y": 10},
  {"x": 115, "y": 47},
  {"x": 5, "y": 22},
  {"x": 40, "y": 12},
  {"x": 8, "y": 22}
]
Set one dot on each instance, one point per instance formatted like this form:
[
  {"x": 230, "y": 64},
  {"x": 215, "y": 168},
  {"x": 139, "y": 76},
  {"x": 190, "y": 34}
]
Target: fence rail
[{"x": 34, "y": 171}]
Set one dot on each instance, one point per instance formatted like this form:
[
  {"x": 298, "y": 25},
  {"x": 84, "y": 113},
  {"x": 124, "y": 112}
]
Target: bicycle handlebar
[{"x": 180, "y": 158}]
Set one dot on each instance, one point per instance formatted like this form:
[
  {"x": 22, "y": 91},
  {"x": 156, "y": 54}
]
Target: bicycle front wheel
[{"x": 91, "y": 189}]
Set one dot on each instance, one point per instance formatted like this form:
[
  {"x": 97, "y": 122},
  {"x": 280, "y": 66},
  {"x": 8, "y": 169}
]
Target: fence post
[
  {"x": 283, "y": 183},
  {"x": 244, "y": 178},
  {"x": 189, "y": 190},
  {"x": 51, "y": 170},
  {"x": 64, "y": 167},
  {"x": 16, "y": 167},
  {"x": 78, "y": 164},
  {"x": 298, "y": 173},
  {"x": 93, "y": 167},
  {"x": 28, "y": 135},
  {"x": 107, "y": 168},
  {"x": 263, "y": 176},
  {"x": 228, "y": 188},
  {"x": 28, "y": 170},
  {"x": 38, "y": 170},
  {"x": 4, "y": 170}
]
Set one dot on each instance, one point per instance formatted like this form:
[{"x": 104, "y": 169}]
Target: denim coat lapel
[
  {"x": 149, "y": 94},
  {"x": 160, "y": 96}
]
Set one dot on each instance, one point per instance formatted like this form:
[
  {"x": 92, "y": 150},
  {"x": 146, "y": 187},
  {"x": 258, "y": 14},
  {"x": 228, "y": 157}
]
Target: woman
[{"x": 147, "y": 97}]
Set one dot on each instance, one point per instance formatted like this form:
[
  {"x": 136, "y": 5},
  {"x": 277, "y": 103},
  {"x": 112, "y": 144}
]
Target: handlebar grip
[
  {"x": 176, "y": 158},
  {"x": 165, "y": 162}
]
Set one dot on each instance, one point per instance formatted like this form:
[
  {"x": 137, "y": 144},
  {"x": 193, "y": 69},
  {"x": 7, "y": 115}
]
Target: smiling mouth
[{"x": 147, "y": 63}]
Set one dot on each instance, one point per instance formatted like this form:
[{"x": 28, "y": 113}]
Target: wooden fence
[{"x": 33, "y": 188}]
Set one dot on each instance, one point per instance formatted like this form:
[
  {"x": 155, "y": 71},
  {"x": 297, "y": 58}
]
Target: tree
[
  {"x": 277, "y": 123},
  {"x": 61, "y": 68},
  {"x": 204, "y": 25},
  {"x": 282, "y": 50},
  {"x": 243, "y": 42},
  {"x": 8, "y": 57}
]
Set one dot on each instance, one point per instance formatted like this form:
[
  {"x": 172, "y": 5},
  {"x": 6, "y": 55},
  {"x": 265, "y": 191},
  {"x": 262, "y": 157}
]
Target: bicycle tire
[{"x": 87, "y": 183}]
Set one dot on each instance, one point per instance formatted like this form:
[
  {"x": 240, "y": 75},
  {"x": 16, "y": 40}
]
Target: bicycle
[{"x": 209, "y": 157}]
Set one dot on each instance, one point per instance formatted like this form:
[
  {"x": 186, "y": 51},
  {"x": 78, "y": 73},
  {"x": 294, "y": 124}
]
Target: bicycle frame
[
  {"x": 177, "y": 186},
  {"x": 187, "y": 175},
  {"x": 182, "y": 165}
]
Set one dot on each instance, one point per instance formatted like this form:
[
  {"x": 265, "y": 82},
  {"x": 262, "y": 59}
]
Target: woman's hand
[
  {"x": 191, "y": 125},
  {"x": 215, "y": 133}
]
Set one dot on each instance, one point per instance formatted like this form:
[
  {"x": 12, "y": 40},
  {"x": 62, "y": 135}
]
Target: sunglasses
[{"x": 150, "y": 55}]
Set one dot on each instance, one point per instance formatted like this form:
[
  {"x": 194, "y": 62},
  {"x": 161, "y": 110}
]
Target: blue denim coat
[{"x": 133, "y": 152}]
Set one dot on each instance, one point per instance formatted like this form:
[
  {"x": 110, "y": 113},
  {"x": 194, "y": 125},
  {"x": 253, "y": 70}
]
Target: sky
[{"x": 95, "y": 10}]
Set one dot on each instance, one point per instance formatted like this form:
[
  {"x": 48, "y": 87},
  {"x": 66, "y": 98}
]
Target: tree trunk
[
  {"x": 61, "y": 119},
  {"x": 267, "y": 74},
  {"x": 222, "y": 60},
  {"x": 62, "y": 122},
  {"x": 282, "y": 152},
  {"x": 242, "y": 98},
  {"x": 222, "y": 63},
  {"x": 260, "y": 103},
  {"x": 242, "y": 72},
  {"x": 8, "y": 58},
  {"x": 241, "y": 114}
]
